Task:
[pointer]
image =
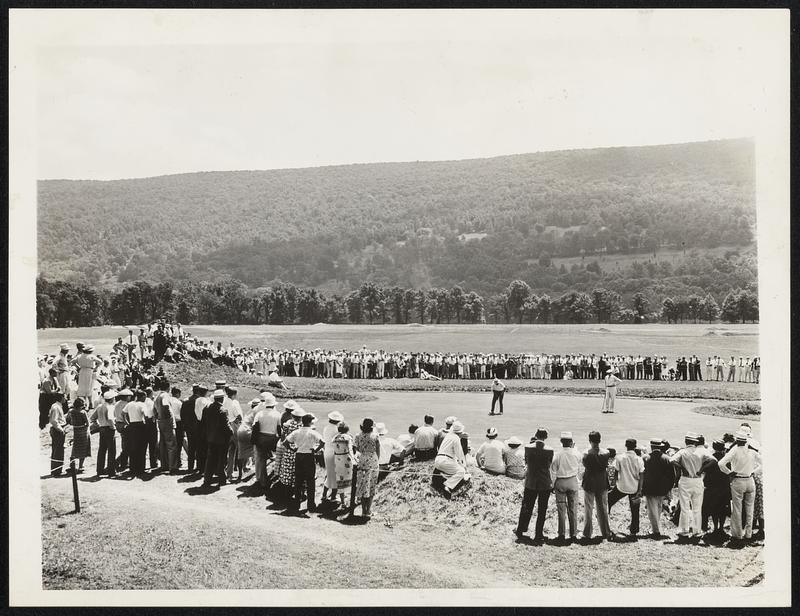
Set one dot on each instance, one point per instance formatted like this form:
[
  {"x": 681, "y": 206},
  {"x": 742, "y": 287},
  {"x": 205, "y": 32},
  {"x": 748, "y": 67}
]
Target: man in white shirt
[
  {"x": 564, "y": 470},
  {"x": 307, "y": 442},
  {"x": 425, "y": 440},
  {"x": 450, "y": 460},
  {"x": 266, "y": 429},
  {"x": 630, "y": 476},
  {"x": 740, "y": 462},
  {"x": 490, "y": 454},
  {"x": 135, "y": 414},
  {"x": 201, "y": 443},
  {"x": 234, "y": 411},
  {"x": 690, "y": 486},
  {"x": 498, "y": 391}
]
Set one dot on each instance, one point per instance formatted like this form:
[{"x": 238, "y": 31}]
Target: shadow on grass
[
  {"x": 201, "y": 490},
  {"x": 354, "y": 520},
  {"x": 252, "y": 491},
  {"x": 92, "y": 479}
]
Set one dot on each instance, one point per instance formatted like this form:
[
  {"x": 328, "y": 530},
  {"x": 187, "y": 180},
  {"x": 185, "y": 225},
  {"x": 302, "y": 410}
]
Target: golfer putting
[{"x": 498, "y": 391}]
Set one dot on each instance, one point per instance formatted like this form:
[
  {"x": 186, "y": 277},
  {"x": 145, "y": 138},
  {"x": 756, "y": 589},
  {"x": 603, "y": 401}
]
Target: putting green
[{"x": 640, "y": 419}]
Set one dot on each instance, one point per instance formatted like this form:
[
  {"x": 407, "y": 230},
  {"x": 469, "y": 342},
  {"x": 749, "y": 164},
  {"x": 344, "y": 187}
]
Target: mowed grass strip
[{"x": 356, "y": 390}]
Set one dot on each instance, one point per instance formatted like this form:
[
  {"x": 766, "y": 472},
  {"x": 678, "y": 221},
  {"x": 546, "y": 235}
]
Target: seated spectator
[
  {"x": 491, "y": 453},
  {"x": 514, "y": 458}
]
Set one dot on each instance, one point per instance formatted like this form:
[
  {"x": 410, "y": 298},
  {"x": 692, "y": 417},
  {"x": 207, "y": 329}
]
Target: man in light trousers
[
  {"x": 740, "y": 462},
  {"x": 690, "y": 487},
  {"x": 565, "y": 469}
]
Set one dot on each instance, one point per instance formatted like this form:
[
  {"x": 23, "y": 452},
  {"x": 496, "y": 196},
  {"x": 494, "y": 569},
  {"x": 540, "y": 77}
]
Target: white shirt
[
  {"x": 199, "y": 405},
  {"x": 148, "y": 408},
  {"x": 232, "y": 408},
  {"x": 306, "y": 439},
  {"x": 490, "y": 456},
  {"x": 268, "y": 419},
  {"x": 328, "y": 433},
  {"x": 629, "y": 468},
  {"x": 425, "y": 437},
  {"x": 743, "y": 461},
  {"x": 389, "y": 446},
  {"x": 567, "y": 462},
  {"x": 135, "y": 411},
  {"x": 498, "y": 386}
]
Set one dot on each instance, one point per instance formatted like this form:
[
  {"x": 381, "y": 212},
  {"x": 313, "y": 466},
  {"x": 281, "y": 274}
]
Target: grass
[
  {"x": 346, "y": 390},
  {"x": 668, "y": 340},
  {"x": 739, "y": 410},
  {"x": 227, "y": 540}
]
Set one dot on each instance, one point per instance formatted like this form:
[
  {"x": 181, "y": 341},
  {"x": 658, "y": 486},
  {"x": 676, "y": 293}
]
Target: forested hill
[{"x": 477, "y": 223}]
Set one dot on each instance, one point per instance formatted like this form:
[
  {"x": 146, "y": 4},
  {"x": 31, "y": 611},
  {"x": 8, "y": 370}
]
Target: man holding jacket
[{"x": 538, "y": 485}]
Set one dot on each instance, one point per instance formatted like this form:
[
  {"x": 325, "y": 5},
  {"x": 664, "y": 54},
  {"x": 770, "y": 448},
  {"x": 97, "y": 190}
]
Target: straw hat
[
  {"x": 335, "y": 416},
  {"x": 380, "y": 428}
]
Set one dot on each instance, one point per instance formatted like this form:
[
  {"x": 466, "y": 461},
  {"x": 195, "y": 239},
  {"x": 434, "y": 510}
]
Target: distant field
[{"x": 668, "y": 340}]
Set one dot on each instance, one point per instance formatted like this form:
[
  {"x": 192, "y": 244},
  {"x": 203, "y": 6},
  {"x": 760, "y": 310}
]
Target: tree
[
  {"x": 544, "y": 259},
  {"x": 355, "y": 306},
  {"x": 694, "y": 307},
  {"x": 371, "y": 297},
  {"x": 710, "y": 308},
  {"x": 544, "y": 308},
  {"x": 458, "y": 301},
  {"x": 474, "y": 307},
  {"x": 409, "y": 302},
  {"x": 605, "y": 304},
  {"x": 669, "y": 310},
  {"x": 517, "y": 294},
  {"x": 640, "y": 303},
  {"x": 422, "y": 305},
  {"x": 498, "y": 307}
]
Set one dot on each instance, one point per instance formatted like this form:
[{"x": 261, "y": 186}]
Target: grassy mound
[
  {"x": 743, "y": 410},
  {"x": 489, "y": 506}
]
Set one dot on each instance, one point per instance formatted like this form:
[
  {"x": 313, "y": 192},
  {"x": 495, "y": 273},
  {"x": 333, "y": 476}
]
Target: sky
[{"x": 141, "y": 93}]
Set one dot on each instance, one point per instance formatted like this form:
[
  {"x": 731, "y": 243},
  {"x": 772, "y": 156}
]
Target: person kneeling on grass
[
  {"x": 490, "y": 454},
  {"x": 450, "y": 460}
]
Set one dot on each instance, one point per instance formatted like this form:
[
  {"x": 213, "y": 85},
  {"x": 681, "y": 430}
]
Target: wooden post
[
  {"x": 353, "y": 491},
  {"x": 74, "y": 472}
]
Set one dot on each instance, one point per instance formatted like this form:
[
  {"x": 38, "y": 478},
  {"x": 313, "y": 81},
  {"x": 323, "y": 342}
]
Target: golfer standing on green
[{"x": 498, "y": 390}]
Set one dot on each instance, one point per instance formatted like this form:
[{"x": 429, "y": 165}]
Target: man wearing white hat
[
  {"x": 741, "y": 462},
  {"x": 565, "y": 468},
  {"x": 690, "y": 461},
  {"x": 490, "y": 455},
  {"x": 329, "y": 432},
  {"x": 391, "y": 450},
  {"x": 610, "y": 383},
  {"x": 448, "y": 424},
  {"x": 450, "y": 460},
  {"x": 266, "y": 430},
  {"x": 107, "y": 448},
  {"x": 216, "y": 428},
  {"x": 498, "y": 391},
  {"x": 62, "y": 369}
]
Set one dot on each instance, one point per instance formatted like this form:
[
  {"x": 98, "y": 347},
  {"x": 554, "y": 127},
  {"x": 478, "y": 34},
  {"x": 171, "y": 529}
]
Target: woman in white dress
[
  {"x": 87, "y": 364},
  {"x": 329, "y": 455}
]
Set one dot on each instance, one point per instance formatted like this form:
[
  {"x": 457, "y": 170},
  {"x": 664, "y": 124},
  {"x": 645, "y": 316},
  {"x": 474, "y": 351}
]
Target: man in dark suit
[
  {"x": 218, "y": 433},
  {"x": 538, "y": 485},
  {"x": 189, "y": 426},
  {"x": 595, "y": 487}
]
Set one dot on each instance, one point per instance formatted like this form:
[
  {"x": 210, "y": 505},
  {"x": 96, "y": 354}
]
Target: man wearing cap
[
  {"x": 306, "y": 442},
  {"x": 538, "y": 485},
  {"x": 659, "y": 477},
  {"x": 134, "y": 414},
  {"x": 689, "y": 461},
  {"x": 107, "y": 448},
  {"x": 564, "y": 470},
  {"x": 595, "y": 488},
  {"x": 217, "y": 431},
  {"x": 610, "y": 382},
  {"x": 425, "y": 439},
  {"x": 234, "y": 411},
  {"x": 450, "y": 460},
  {"x": 630, "y": 476},
  {"x": 490, "y": 455},
  {"x": 266, "y": 430},
  {"x": 498, "y": 391},
  {"x": 448, "y": 424},
  {"x": 58, "y": 422},
  {"x": 121, "y": 424},
  {"x": 391, "y": 450},
  {"x": 740, "y": 463},
  {"x": 201, "y": 443}
]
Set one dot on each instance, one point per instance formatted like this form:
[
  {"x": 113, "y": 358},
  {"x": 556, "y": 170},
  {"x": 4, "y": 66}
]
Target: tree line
[{"x": 66, "y": 304}]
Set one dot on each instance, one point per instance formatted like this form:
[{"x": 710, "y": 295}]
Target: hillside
[{"x": 399, "y": 223}]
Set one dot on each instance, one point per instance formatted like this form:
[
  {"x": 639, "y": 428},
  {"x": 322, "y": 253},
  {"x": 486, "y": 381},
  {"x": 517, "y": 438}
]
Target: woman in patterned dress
[
  {"x": 287, "y": 455},
  {"x": 368, "y": 446},
  {"x": 343, "y": 460},
  {"x": 81, "y": 445}
]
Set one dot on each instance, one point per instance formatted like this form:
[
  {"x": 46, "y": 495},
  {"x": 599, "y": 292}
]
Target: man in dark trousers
[
  {"x": 217, "y": 430},
  {"x": 189, "y": 426},
  {"x": 538, "y": 485},
  {"x": 498, "y": 391},
  {"x": 659, "y": 478}
]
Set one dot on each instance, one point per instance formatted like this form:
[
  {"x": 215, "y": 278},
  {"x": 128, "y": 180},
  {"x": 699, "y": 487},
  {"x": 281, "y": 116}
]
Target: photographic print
[{"x": 312, "y": 302}]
